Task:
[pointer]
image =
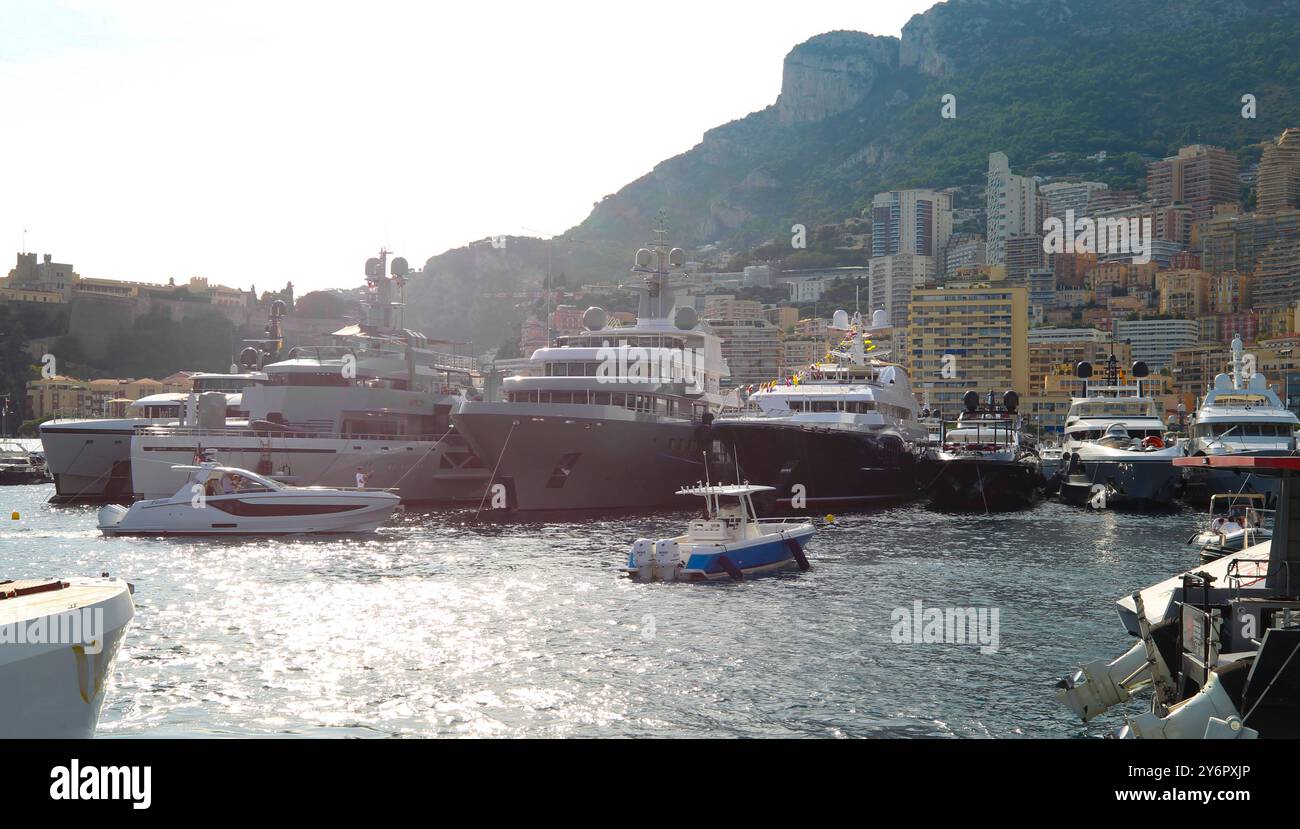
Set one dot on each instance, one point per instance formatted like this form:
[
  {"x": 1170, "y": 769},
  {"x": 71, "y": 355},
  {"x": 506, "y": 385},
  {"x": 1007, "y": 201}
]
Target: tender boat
[
  {"x": 1240, "y": 415},
  {"x": 60, "y": 639},
  {"x": 21, "y": 467},
  {"x": 727, "y": 542},
  {"x": 986, "y": 462},
  {"x": 225, "y": 500},
  {"x": 1235, "y": 521},
  {"x": 1116, "y": 451}
]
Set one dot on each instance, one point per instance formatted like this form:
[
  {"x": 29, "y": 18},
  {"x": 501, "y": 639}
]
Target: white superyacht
[
  {"x": 1240, "y": 415},
  {"x": 373, "y": 410}
]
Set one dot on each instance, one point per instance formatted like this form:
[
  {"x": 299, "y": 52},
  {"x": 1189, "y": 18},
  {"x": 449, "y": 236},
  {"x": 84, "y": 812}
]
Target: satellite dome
[
  {"x": 400, "y": 267},
  {"x": 278, "y": 308},
  {"x": 880, "y": 318},
  {"x": 1140, "y": 369},
  {"x": 840, "y": 319},
  {"x": 374, "y": 267},
  {"x": 1083, "y": 370},
  {"x": 1011, "y": 400},
  {"x": 971, "y": 400},
  {"x": 643, "y": 258},
  {"x": 594, "y": 318},
  {"x": 685, "y": 317},
  {"x": 677, "y": 257}
]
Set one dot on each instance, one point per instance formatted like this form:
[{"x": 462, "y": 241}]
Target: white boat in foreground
[
  {"x": 225, "y": 500},
  {"x": 58, "y": 640},
  {"x": 728, "y": 542}
]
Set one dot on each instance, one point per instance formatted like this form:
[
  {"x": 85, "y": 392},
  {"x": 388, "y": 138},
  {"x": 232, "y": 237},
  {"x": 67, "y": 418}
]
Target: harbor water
[{"x": 441, "y": 625}]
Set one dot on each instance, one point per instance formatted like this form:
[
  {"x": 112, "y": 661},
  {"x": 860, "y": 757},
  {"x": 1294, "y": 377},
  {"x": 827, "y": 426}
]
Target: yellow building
[
  {"x": 1052, "y": 357},
  {"x": 967, "y": 336},
  {"x": 1186, "y": 293},
  {"x": 57, "y": 395}
]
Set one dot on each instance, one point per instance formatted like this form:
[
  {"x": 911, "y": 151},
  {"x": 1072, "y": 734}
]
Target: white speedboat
[
  {"x": 1235, "y": 521},
  {"x": 225, "y": 500},
  {"x": 728, "y": 542},
  {"x": 58, "y": 641}
]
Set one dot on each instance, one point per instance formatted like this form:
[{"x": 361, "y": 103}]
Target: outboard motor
[
  {"x": 1210, "y": 714},
  {"x": 667, "y": 555},
  {"x": 641, "y": 559}
]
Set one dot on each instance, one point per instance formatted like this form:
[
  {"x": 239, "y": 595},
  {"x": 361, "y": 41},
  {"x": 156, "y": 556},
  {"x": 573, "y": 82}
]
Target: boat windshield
[
  {"x": 1114, "y": 408},
  {"x": 233, "y": 482}
]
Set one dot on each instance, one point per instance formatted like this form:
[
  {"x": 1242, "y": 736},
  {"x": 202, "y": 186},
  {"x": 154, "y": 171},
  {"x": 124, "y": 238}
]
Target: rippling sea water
[{"x": 443, "y": 626}]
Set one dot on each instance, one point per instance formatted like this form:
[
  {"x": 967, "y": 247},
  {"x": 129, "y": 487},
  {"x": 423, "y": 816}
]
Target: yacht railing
[{"x": 187, "y": 431}]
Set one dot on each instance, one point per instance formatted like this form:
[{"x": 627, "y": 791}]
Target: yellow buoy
[
  {"x": 13, "y": 516},
  {"x": 830, "y": 519}
]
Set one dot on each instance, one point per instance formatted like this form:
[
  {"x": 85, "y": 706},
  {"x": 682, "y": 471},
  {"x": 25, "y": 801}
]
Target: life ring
[{"x": 1153, "y": 442}]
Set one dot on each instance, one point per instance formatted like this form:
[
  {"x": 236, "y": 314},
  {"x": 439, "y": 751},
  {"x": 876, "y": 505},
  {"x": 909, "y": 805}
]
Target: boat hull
[
  {"x": 546, "y": 461},
  {"x": 836, "y": 468},
  {"x": 90, "y": 460},
  {"x": 1128, "y": 483},
  {"x": 55, "y": 690},
  {"x": 971, "y": 484},
  {"x": 1199, "y": 483},
  {"x": 290, "y": 512},
  {"x": 766, "y": 556}
]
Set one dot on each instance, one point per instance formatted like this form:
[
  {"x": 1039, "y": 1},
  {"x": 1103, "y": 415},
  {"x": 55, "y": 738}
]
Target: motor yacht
[
  {"x": 842, "y": 433},
  {"x": 223, "y": 500}
]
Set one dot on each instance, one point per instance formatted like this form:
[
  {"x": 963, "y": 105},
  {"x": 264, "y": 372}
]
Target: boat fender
[
  {"x": 797, "y": 552},
  {"x": 730, "y": 566}
]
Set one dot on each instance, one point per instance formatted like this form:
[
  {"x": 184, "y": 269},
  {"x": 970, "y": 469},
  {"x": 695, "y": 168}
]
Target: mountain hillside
[{"x": 1048, "y": 82}]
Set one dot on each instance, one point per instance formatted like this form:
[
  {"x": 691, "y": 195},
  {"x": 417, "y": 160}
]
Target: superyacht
[
  {"x": 1238, "y": 416},
  {"x": 841, "y": 433},
  {"x": 620, "y": 418},
  {"x": 372, "y": 410},
  {"x": 1115, "y": 451},
  {"x": 90, "y": 458},
  {"x": 987, "y": 462}
]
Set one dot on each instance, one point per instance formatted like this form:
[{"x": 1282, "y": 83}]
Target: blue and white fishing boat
[{"x": 727, "y": 542}]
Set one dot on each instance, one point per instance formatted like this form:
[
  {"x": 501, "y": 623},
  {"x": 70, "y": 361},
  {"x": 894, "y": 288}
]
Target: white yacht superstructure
[
  {"x": 1240, "y": 415},
  {"x": 620, "y": 416},
  {"x": 375, "y": 408},
  {"x": 843, "y": 431}
]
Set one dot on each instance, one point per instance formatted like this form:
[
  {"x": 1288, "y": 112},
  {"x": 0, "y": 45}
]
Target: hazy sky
[{"x": 255, "y": 142}]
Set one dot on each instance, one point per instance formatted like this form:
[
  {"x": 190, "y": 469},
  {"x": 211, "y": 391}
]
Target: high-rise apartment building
[
  {"x": 1236, "y": 243},
  {"x": 910, "y": 221},
  {"x": 1155, "y": 340},
  {"x": 967, "y": 336},
  {"x": 1014, "y": 207},
  {"x": 964, "y": 250},
  {"x": 1065, "y": 196},
  {"x": 1277, "y": 184},
  {"x": 1277, "y": 278},
  {"x": 892, "y": 280},
  {"x": 752, "y": 349},
  {"x": 1200, "y": 176}
]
